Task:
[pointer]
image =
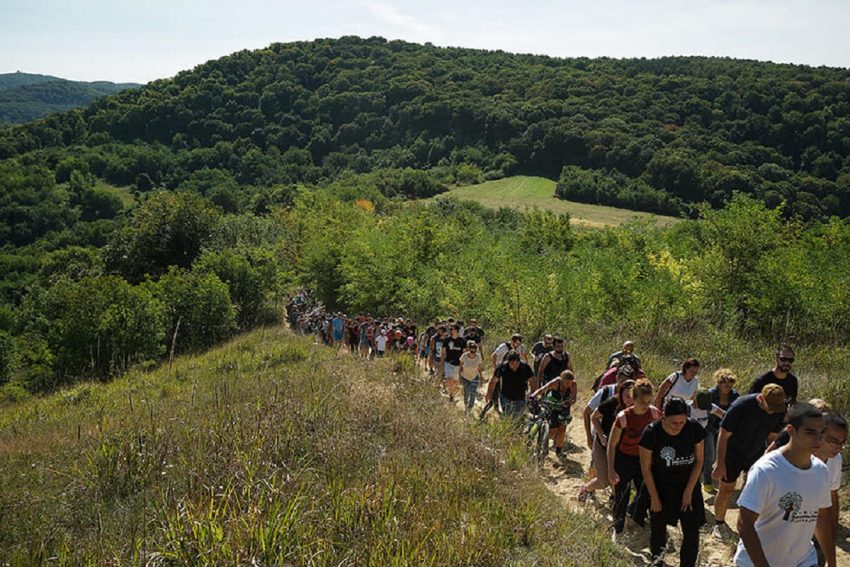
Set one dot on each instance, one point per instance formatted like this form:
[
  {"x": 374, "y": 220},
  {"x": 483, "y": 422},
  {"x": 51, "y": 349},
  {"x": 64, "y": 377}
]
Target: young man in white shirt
[{"x": 787, "y": 499}]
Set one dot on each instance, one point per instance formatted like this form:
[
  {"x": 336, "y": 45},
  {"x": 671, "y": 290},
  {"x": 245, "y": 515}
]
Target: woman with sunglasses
[{"x": 470, "y": 373}]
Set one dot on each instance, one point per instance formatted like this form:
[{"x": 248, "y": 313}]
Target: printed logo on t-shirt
[
  {"x": 668, "y": 455},
  {"x": 791, "y": 503}
]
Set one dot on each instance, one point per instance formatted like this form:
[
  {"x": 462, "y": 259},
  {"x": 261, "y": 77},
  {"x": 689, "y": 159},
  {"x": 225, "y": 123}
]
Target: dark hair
[
  {"x": 783, "y": 348},
  {"x": 557, "y": 339},
  {"x": 512, "y": 355},
  {"x": 516, "y": 336},
  {"x": 630, "y": 360},
  {"x": 833, "y": 419},
  {"x": 675, "y": 406},
  {"x": 455, "y": 327},
  {"x": 690, "y": 362},
  {"x": 441, "y": 328},
  {"x": 800, "y": 411},
  {"x": 624, "y": 385},
  {"x": 643, "y": 387}
]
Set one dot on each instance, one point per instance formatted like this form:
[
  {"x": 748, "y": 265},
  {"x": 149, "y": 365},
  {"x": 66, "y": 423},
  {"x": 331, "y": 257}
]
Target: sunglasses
[{"x": 786, "y": 359}]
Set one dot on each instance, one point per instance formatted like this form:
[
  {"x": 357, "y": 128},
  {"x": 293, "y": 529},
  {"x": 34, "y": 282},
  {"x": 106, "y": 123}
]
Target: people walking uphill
[
  {"x": 702, "y": 410},
  {"x": 787, "y": 500},
  {"x": 683, "y": 383},
  {"x": 671, "y": 456},
  {"x": 502, "y": 350},
  {"x": 470, "y": 373},
  {"x": 627, "y": 350},
  {"x": 436, "y": 350},
  {"x": 723, "y": 395},
  {"x": 781, "y": 375},
  {"x": 453, "y": 349},
  {"x": 473, "y": 332},
  {"x": 514, "y": 378},
  {"x": 561, "y": 391},
  {"x": 538, "y": 351},
  {"x": 751, "y": 422},
  {"x": 623, "y": 455}
]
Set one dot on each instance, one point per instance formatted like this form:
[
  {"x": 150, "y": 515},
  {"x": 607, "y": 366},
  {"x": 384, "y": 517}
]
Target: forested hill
[
  {"x": 26, "y": 96},
  {"x": 657, "y": 135}
]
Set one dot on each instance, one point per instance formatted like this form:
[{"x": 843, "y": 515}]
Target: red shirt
[
  {"x": 610, "y": 376},
  {"x": 633, "y": 426}
]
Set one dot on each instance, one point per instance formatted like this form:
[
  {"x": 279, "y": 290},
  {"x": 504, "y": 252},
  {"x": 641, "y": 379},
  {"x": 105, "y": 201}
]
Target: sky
[{"x": 142, "y": 40}]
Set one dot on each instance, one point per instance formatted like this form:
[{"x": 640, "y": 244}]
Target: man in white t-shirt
[
  {"x": 787, "y": 499},
  {"x": 502, "y": 350}
]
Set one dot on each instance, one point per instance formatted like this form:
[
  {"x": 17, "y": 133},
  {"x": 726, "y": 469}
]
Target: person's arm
[
  {"x": 696, "y": 471},
  {"x": 596, "y": 418},
  {"x": 613, "y": 440},
  {"x": 442, "y": 368},
  {"x": 587, "y": 415},
  {"x": 573, "y": 392},
  {"x": 494, "y": 356},
  {"x": 460, "y": 367},
  {"x": 544, "y": 362},
  {"x": 491, "y": 388},
  {"x": 833, "y": 512},
  {"x": 542, "y": 389},
  {"x": 825, "y": 534},
  {"x": 662, "y": 391},
  {"x": 719, "y": 472},
  {"x": 747, "y": 530},
  {"x": 648, "y": 480}
]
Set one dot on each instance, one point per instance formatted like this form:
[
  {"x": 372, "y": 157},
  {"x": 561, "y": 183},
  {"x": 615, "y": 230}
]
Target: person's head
[
  {"x": 513, "y": 359},
  {"x": 441, "y": 330},
  {"x": 835, "y": 436},
  {"x": 725, "y": 379},
  {"x": 473, "y": 323},
  {"x": 472, "y": 347},
  {"x": 455, "y": 329},
  {"x": 410, "y": 341},
  {"x": 628, "y": 347},
  {"x": 806, "y": 426},
  {"x": 516, "y": 340},
  {"x": 702, "y": 399},
  {"x": 625, "y": 372},
  {"x": 644, "y": 393},
  {"x": 690, "y": 368},
  {"x": 567, "y": 376},
  {"x": 547, "y": 340},
  {"x": 558, "y": 344},
  {"x": 436, "y": 322},
  {"x": 675, "y": 414},
  {"x": 625, "y": 393},
  {"x": 398, "y": 333},
  {"x": 784, "y": 358},
  {"x": 822, "y": 405},
  {"x": 772, "y": 399}
]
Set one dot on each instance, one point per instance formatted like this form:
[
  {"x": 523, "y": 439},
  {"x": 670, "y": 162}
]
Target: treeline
[{"x": 696, "y": 129}]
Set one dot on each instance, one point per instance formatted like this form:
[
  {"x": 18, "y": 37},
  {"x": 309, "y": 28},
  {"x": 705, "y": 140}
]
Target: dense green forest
[
  {"x": 26, "y": 96},
  {"x": 177, "y": 214}
]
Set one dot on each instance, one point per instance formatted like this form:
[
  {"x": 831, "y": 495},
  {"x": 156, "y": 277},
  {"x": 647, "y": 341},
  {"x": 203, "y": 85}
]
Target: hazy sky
[{"x": 141, "y": 40}]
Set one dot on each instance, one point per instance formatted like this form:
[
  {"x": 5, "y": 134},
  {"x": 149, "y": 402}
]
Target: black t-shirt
[
  {"x": 609, "y": 410},
  {"x": 454, "y": 350},
  {"x": 475, "y": 334},
  {"x": 789, "y": 384},
  {"x": 749, "y": 425},
  {"x": 673, "y": 457},
  {"x": 514, "y": 383},
  {"x": 555, "y": 365}
]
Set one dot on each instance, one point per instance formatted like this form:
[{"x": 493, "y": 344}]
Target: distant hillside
[
  {"x": 657, "y": 135},
  {"x": 25, "y": 96}
]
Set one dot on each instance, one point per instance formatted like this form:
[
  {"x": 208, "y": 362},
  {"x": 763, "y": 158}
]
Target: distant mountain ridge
[{"x": 28, "y": 96}]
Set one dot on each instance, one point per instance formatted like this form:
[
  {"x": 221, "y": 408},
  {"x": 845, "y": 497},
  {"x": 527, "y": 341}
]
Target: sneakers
[{"x": 721, "y": 531}]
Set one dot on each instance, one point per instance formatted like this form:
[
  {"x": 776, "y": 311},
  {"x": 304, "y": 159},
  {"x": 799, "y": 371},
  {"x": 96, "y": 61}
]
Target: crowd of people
[{"x": 657, "y": 450}]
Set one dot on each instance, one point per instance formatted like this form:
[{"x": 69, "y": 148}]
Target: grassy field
[
  {"x": 522, "y": 192},
  {"x": 270, "y": 450}
]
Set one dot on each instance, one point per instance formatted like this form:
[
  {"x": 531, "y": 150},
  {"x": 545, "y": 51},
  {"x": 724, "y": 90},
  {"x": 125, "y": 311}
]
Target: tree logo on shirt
[
  {"x": 791, "y": 503},
  {"x": 669, "y": 455}
]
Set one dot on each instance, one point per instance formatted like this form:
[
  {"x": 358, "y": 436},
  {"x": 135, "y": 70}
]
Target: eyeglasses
[{"x": 786, "y": 359}]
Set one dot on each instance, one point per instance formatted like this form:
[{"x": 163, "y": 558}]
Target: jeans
[
  {"x": 710, "y": 445},
  {"x": 512, "y": 408},
  {"x": 470, "y": 389}
]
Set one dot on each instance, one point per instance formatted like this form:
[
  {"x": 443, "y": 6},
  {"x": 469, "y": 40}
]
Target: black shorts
[{"x": 734, "y": 468}]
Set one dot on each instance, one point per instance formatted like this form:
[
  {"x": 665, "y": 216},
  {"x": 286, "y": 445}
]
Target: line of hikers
[{"x": 659, "y": 449}]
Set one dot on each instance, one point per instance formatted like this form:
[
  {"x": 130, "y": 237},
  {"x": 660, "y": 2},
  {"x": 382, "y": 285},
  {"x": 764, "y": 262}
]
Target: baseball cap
[{"x": 774, "y": 397}]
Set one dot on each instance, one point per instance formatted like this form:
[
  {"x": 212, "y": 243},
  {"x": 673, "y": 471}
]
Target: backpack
[{"x": 670, "y": 389}]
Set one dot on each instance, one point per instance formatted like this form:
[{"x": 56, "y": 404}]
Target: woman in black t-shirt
[{"x": 671, "y": 455}]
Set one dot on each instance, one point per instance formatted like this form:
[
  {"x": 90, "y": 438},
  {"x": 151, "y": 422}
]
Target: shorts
[
  {"x": 451, "y": 371},
  {"x": 337, "y": 336},
  {"x": 734, "y": 468},
  {"x": 600, "y": 462}
]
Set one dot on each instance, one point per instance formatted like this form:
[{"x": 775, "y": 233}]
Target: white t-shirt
[
  {"x": 787, "y": 500},
  {"x": 682, "y": 388},
  {"x": 381, "y": 343},
  {"x": 701, "y": 415},
  {"x": 470, "y": 365},
  {"x": 503, "y": 349},
  {"x": 834, "y": 466}
]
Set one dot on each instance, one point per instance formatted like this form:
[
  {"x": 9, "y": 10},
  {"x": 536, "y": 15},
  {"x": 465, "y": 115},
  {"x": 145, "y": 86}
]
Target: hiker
[
  {"x": 683, "y": 383},
  {"x": 780, "y": 374},
  {"x": 561, "y": 391},
  {"x": 513, "y": 376},
  {"x": 723, "y": 395},
  {"x": 470, "y": 373}
]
